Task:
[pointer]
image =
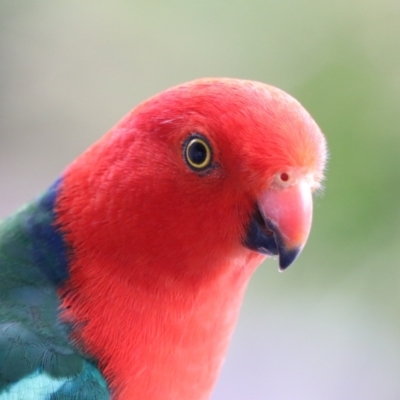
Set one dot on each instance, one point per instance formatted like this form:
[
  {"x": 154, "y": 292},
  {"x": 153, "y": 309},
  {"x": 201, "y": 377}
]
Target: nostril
[{"x": 284, "y": 177}]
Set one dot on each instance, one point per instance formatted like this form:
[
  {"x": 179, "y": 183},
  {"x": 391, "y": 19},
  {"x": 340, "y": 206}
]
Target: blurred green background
[{"x": 329, "y": 327}]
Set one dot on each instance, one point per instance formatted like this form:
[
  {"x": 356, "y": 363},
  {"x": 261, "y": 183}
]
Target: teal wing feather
[{"x": 37, "y": 359}]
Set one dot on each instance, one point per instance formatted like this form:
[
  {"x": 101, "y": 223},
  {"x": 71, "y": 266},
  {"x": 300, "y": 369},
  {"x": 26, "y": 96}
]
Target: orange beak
[{"x": 282, "y": 223}]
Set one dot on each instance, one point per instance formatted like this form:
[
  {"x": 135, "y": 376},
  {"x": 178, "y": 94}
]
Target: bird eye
[{"x": 198, "y": 153}]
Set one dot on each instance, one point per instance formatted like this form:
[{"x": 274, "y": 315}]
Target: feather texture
[{"x": 37, "y": 360}]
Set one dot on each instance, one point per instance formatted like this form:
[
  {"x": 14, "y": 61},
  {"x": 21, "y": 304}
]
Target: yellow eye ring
[{"x": 198, "y": 153}]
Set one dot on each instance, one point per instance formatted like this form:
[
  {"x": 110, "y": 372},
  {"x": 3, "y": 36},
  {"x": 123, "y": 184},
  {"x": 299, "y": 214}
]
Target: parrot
[{"x": 125, "y": 278}]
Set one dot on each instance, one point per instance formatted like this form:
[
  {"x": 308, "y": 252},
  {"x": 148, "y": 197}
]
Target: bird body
[{"x": 125, "y": 279}]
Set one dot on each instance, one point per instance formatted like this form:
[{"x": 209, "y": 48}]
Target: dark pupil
[{"x": 197, "y": 153}]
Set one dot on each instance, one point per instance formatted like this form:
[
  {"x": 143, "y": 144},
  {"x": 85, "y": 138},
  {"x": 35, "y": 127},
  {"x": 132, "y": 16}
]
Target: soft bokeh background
[{"x": 329, "y": 327}]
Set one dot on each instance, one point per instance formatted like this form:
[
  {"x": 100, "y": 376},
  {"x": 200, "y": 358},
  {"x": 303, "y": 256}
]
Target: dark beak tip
[
  {"x": 286, "y": 257},
  {"x": 264, "y": 237}
]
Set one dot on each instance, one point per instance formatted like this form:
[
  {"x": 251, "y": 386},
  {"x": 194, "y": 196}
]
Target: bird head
[{"x": 208, "y": 171}]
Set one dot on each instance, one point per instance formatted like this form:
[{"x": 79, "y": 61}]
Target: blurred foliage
[{"x": 70, "y": 70}]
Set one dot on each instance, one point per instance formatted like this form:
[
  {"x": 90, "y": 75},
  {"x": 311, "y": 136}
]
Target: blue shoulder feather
[{"x": 37, "y": 359}]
